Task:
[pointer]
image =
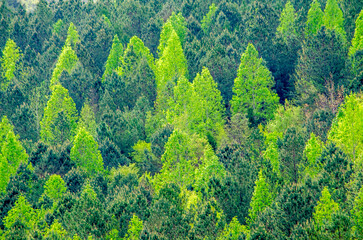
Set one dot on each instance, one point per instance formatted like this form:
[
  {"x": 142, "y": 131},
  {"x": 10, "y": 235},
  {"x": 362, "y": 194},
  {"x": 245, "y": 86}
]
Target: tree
[
  {"x": 21, "y": 212},
  {"x": 287, "y": 27},
  {"x": 233, "y": 231},
  {"x": 315, "y": 19},
  {"x": 72, "y": 36},
  {"x": 252, "y": 88},
  {"x": 333, "y": 19},
  {"x": 114, "y": 58},
  {"x": 87, "y": 120},
  {"x": 325, "y": 208},
  {"x": 357, "y": 41},
  {"x": 261, "y": 198},
  {"x": 171, "y": 66},
  {"x": 85, "y": 153},
  {"x": 135, "y": 228},
  {"x": 313, "y": 149},
  {"x": 357, "y": 212},
  {"x": 207, "y": 19},
  {"x": 10, "y": 57},
  {"x": 176, "y": 23},
  {"x": 55, "y": 187},
  {"x": 59, "y": 122},
  {"x": 346, "y": 131}
]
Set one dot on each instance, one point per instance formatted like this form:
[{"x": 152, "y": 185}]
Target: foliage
[
  {"x": 287, "y": 27},
  {"x": 333, "y": 18},
  {"x": 207, "y": 19},
  {"x": 326, "y": 206},
  {"x": 314, "y": 19},
  {"x": 55, "y": 187},
  {"x": 357, "y": 41},
  {"x": 252, "y": 88},
  {"x": 85, "y": 153},
  {"x": 10, "y": 57},
  {"x": 357, "y": 212},
  {"x": 59, "y": 122},
  {"x": 135, "y": 228},
  {"x": 114, "y": 58}
]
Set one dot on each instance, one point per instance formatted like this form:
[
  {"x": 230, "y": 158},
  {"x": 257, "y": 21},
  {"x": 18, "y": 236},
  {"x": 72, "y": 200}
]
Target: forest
[{"x": 181, "y": 119}]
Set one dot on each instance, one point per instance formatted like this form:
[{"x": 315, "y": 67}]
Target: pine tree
[
  {"x": 333, "y": 18},
  {"x": 312, "y": 152},
  {"x": 56, "y": 231},
  {"x": 59, "y": 122},
  {"x": 10, "y": 57},
  {"x": 325, "y": 208},
  {"x": 287, "y": 27},
  {"x": 252, "y": 88},
  {"x": 72, "y": 36},
  {"x": 357, "y": 41},
  {"x": 21, "y": 212},
  {"x": 207, "y": 19},
  {"x": 114, "y": 58},
  {"x": 314, "y": 19},
  {"x": 261, "y": 198},
  {"x": 85, "y": 153}
]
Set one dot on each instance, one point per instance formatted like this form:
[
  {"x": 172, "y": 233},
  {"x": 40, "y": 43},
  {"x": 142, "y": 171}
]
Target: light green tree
[
  {"x": 357, "y": 213},
  {"x": 314, "y": 19},
  {"x": 333, "y": 18},
  {"x": 326, "y": 206},
  {"x": 252, "y": 88},
  {"x": 233, "y": 230},
  {"x": 207, "y": 19},
  {"x": 261, "y": 198},
  {"x": 287, "y": 26},
  {"x": 55, "y": 232},
  {"x": 312, "y": 152},
  {"x": 87, "y": 120},
  {"x": 55, "y": 187},
  {"x": 85, "y": 153},
  {"x": 114, "y": 58},
  {"x": 357, "y": 41},
  {"x": 22, "y": 212},
  {"x": 68, "y": 58},
  {"x": 347, "y": 128},
  {"x": 59, "y": 122},
  {"x": 171, "y": 66},
  {"x": 134, "y": 229},
  {"x": 10, "y": 57},
  {"x": 176, "y": 23}
]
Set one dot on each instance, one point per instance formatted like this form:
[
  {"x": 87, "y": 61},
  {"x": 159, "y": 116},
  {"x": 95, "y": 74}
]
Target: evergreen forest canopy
[{"x": 184, "y": 119}]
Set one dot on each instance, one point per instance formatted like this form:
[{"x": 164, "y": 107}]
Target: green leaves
[
  {"x": 55, "y": 187},
  {"x": 325, "y": 208},
  {"x": 207, "y": 19},
  {"x": 59, "y": 122},
  {"x": 252, "y": 88},
  {"x": 261, "y": 198},
  {"x": 85, "y": 153},
  {"x": 114, "y": 58},
  {"x": 357, "y": 41},
  {"x": 315, "y": 19},
  {"x": 357, "y": 212},
  {"x": 333, "y": 18},
  {"x": 287, "y": 27},
  {"x": 21, "y": 212},
  {"x": 135, "y": 228},
  {"x": 10, "y": 57}
]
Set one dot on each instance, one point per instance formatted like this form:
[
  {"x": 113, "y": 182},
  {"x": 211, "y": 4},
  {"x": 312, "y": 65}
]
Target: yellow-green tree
[
  {"x": 333, "y": 18},
  {"x": 287, "y": 26},
  {"x": 10, "y": 57},
  {"x": 314, "y": 19},
  {"x": 85, "y": 153},
  {"x": 59, "y": 122},
  {"x": 357, "y": 41},
  {"x": 114, "y": 58},
  {"x": 325, "y": 208}
]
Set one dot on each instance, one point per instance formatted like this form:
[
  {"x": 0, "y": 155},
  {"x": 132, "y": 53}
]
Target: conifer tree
[
  {"x": 314, "y": 19},
  {"x": 72, "y": 36},
  {"x": 135, "y": 228},
  {"x": 114, "y": 58},
  {"x": 171, "y": 66},
  {"x": 85, "y": 153},
  {"x": 357, "y": 41},
  {"x": 252, "y": 88},
  {"x": 10, "y": 57},
  {"x": 357, "y": 213},
  {"x": 87, "y": 120},
  {"x": 176, "y": 23},
  {"x": 56, "y": 231},
  {"x": 55, "y": 187},
  {"x": 347, "y": 127},
  {"x": 261, "y": 198},
  {"x": 21, "y": 212},
  {"x": 207, "y": 19},
  {"x": 59, "y": 122},
  {"x": 287, "y": 27},
  {"x": 312, "y": 152},
  {"x": 325, "y": 208},
  {"x": 333, "y": 18}
]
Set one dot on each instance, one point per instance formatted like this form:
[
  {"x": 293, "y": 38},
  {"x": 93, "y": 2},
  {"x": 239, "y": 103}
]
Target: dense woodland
[{"x": 181, "y": 119}]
